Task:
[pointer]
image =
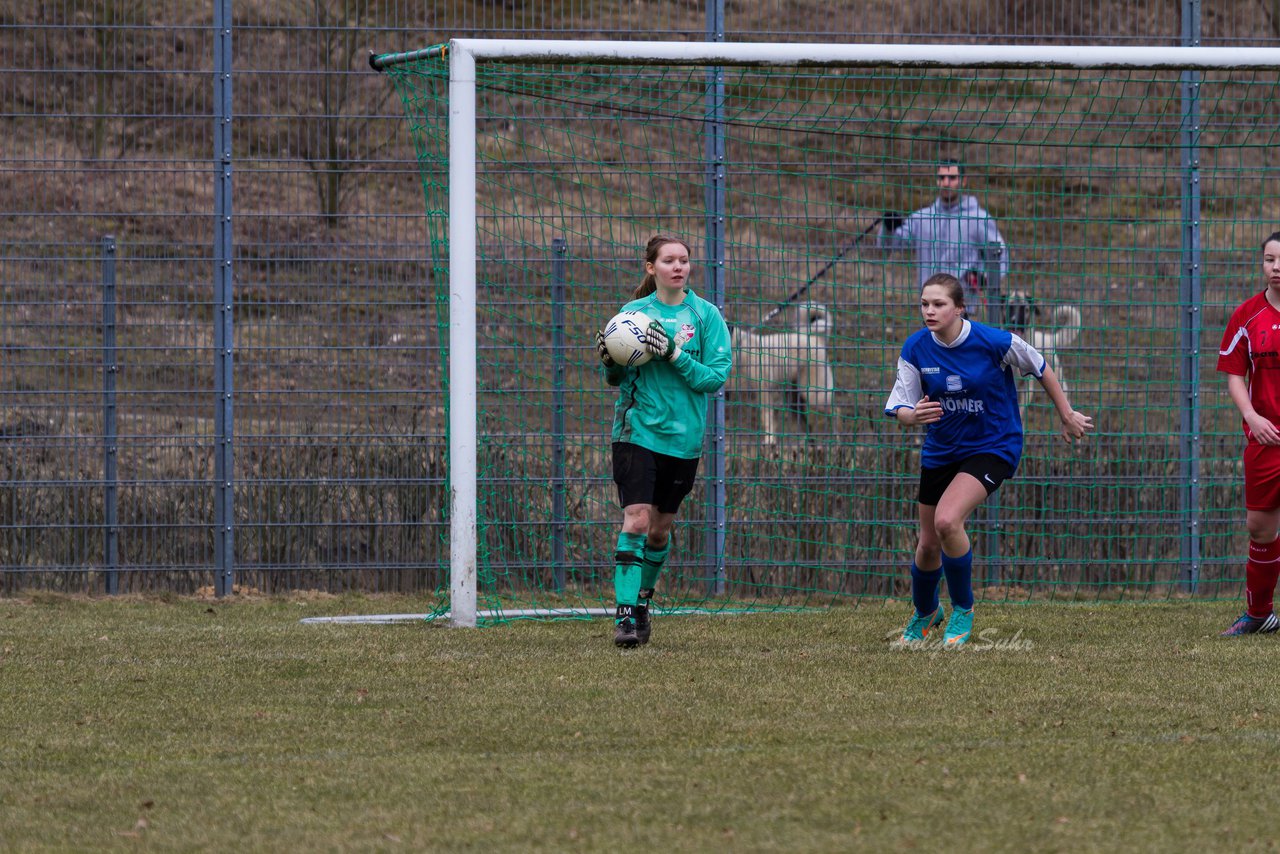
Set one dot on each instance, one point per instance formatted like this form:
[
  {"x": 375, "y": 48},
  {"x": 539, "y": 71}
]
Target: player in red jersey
[{"x": 1250, "y": 357}]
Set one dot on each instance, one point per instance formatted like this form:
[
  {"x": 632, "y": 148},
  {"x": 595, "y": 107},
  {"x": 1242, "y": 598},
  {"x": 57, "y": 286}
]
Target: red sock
[{"x": 1260, "y": 574}]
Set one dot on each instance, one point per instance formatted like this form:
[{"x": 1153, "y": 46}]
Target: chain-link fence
[{"x": 218, "y": 313}]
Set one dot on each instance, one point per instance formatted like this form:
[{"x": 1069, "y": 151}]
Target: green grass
[{"x": 211, "y": 725}]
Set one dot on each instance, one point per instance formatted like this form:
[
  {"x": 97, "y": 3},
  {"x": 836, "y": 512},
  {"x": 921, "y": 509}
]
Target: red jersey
[{"x": 1251, "y": 349}]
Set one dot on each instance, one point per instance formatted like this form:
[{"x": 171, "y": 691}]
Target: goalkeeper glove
[
  {"x": 891, "y": 221},
  {"x": 604, "y": 351},
  {"x": 660, "y": 343}
]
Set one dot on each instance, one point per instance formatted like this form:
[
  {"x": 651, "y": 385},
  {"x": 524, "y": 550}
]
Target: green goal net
[{"x": 1131, "y": 203}]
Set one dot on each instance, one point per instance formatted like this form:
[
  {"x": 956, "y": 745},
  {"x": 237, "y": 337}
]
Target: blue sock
[
  {"x": 959, "y": 572},
  {"x": 924, "y": 589}
]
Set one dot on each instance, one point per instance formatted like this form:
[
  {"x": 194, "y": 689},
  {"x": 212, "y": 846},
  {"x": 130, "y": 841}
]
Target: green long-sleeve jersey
[{"x": 662, "y": 405}]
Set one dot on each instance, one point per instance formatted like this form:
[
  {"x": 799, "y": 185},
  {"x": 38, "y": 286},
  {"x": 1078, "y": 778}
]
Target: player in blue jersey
[
  {"x": 658, "y": 424},
  {"x": 956, "y": 377}
]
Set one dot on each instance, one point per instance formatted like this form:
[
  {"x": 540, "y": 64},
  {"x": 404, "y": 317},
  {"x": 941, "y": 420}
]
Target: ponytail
[{"x": 647, "y": 285}]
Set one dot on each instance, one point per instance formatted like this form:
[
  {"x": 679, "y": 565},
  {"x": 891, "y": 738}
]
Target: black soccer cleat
[
  {"x": 624, "y": 630},
  {"x": 643, "y": 626}
]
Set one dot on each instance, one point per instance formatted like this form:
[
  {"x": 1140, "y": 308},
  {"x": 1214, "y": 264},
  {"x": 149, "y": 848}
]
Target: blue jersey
[{"x": 973, "y": 378}]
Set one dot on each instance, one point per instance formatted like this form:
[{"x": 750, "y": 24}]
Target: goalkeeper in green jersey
[{"x": 658, "y": 423}]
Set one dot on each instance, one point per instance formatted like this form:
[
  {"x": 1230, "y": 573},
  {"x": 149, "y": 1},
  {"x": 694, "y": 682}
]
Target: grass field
[{"x": 189, "y": 724}]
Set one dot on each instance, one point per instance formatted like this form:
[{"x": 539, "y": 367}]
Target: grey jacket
[{"x": 949, "y": 238}]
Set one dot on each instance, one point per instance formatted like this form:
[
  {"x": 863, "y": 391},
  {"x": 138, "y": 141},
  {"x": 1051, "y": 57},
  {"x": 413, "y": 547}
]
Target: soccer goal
[{"x": 1129, "y": 189}]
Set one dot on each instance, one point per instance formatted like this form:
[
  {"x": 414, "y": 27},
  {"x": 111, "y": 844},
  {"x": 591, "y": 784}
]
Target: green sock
[
  {"x": 626, "y": 568},
  {"x": 652, "y": 566}
]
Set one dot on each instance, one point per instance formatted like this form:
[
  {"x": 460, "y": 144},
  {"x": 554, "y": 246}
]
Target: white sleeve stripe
[{"x": 1235, "y": 341}]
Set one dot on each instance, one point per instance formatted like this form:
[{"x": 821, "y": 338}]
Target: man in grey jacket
[{"x": 950, "y": 235}]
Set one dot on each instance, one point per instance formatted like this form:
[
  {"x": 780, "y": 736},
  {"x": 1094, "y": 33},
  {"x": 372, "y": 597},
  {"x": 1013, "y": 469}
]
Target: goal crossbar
[{"x": 843, "y": 55}]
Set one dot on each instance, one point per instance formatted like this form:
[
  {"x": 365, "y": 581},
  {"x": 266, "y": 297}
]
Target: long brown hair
[{"x": 649, "y": 283}]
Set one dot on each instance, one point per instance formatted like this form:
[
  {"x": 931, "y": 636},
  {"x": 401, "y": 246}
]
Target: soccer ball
[{"x": 624, "y": 338}]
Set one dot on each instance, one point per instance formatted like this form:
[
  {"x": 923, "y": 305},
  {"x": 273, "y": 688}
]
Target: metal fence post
[
  {"x": 110, "y": 434},
  {"x": 1189, "y": 292},
  {"x": 223, "y": 251},
  {"x": 559, "y": 518},
  {"x": 992, "y": 255},
  {"x": 716, "y": 204}
]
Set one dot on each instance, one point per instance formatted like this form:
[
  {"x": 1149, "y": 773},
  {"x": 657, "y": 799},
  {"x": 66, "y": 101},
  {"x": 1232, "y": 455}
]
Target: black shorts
[
  {"x": 989, "y": 469},
  {"x": 646, "y": 477}
]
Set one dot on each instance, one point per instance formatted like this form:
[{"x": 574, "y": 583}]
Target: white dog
[
  {"x": 1021, "y": 313},
  {"x": 789, "y": 369}
]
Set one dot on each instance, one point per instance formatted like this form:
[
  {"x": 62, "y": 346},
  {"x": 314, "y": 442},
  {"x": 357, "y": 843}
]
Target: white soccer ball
[{"x": 624, "y": 338}]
